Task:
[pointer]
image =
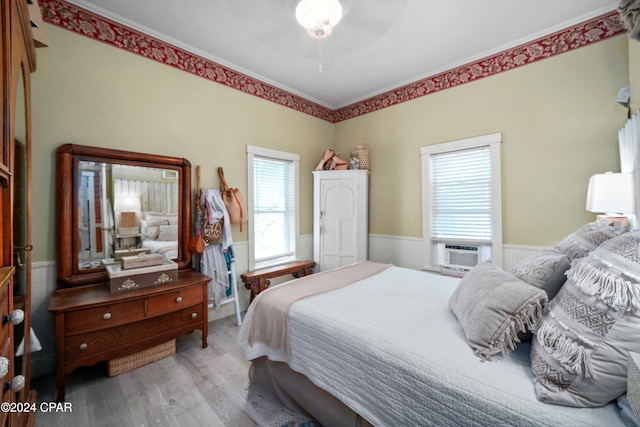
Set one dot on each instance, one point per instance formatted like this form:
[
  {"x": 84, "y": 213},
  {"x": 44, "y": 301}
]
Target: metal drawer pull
[
  {"x": 83, "y": 346},
  {"x": 179, "y": 299},
  {"x": 4, "y": 366},
  {"x": 194, "y": 315},
  {"x": 16, "y": 317},
  {"x": 106, "y": 316},
  {"x": 16, "y": 384}
]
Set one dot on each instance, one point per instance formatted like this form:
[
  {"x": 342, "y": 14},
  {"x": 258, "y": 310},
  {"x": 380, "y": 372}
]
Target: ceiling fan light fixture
[{"x": 319, "y": 17}]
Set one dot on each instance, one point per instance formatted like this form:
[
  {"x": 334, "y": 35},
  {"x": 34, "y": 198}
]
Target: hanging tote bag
[{"x": 233, "y": 201}]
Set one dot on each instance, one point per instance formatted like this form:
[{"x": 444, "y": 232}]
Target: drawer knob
[
  {"x": 16, "y": 317},
  {"x": 4, "y": 366},
  {"x": 83, "y": 346},
  {"x": 106, "y": 316},
  {"x": 16, "y": 384},
  {"x": 179, "y": 300},
  {"x": 194, "y": 315}
]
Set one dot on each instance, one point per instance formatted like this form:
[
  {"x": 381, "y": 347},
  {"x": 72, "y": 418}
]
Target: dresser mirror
[{"x": 113, "y": 203}]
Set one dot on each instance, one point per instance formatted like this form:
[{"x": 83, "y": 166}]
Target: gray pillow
[
  {"x": 544, "y": 269},
  {"x": 579, "y": 353},
  {"x": 588, "y": 237},
  {"x": 492, "y": 306}
]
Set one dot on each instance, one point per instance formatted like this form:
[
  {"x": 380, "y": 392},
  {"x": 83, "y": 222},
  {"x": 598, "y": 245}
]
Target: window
[
  {"x": 462, "y": 207},
  {"x": 272, "y": 203}
]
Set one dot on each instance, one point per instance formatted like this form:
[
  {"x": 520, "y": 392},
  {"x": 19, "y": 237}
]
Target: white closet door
[{"x": 340, "y": 221}]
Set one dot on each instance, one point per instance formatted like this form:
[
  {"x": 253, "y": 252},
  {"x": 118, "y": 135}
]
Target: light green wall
[
  {"x": 559, "y": 121},
  {"x": 85, "y": 92},
  {"x": 558, "y": 117}
]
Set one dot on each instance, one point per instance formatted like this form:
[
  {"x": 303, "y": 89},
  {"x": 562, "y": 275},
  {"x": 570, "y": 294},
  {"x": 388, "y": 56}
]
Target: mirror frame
[{"x": 68, "y": 157}]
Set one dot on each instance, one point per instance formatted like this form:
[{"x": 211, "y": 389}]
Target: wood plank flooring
[{"x": 195, "y": 387}]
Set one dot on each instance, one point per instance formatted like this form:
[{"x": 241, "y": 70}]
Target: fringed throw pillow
[
  {"x": 492, "y": 307},
  {"x": 580, "y": 350},
  {"x": 588, "y": 237}
]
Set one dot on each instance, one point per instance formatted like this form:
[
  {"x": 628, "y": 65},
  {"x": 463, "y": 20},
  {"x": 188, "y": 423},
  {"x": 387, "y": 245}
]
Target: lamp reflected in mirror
[{"x": 128, "y": 208}]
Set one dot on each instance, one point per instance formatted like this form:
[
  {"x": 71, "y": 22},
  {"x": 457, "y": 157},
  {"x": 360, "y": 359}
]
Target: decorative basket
[
  {"x": 363, "y": 156},
  {"x": 120, "y": 365}
]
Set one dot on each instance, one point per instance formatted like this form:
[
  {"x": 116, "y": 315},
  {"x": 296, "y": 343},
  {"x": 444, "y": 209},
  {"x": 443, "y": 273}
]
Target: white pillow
[{"x": 168, "y": 233}]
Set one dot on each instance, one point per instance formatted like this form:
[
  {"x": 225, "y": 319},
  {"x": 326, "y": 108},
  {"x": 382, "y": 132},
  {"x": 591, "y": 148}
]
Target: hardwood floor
[{"x": 195, "y": 387}]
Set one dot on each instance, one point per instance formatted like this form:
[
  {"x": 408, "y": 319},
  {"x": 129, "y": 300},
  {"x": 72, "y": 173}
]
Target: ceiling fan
[{"x": 273, "y": 24}]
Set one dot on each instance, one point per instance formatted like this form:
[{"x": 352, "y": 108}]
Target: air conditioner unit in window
[{"x": 462, "y": 258}]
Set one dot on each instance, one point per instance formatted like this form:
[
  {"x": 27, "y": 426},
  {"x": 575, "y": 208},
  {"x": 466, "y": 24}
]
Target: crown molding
[{"x": 90, "y": 24}]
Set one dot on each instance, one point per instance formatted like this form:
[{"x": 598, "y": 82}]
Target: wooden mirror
[{"x": 112, "y": 203}]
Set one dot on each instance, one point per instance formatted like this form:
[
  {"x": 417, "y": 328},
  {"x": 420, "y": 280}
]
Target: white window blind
[
  {"x": 461, "y": 199},
  {"x": 273, "y": 209}
]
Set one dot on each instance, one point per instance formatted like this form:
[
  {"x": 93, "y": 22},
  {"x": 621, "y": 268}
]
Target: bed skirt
[{"x": 296, "y": 392}]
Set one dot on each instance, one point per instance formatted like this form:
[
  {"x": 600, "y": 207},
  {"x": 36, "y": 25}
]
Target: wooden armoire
[{"x": 18, "y": 62}]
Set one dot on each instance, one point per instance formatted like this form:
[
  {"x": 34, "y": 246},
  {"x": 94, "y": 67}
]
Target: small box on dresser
[{"x": 126, "y": 280}]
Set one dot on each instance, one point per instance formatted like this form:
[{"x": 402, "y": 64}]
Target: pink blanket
[{"x": 270, "y": 319}]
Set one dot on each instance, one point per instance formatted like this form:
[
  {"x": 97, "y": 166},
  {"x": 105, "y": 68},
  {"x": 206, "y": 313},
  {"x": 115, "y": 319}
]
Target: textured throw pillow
[
  {"x": 170, "y": 218},
  {"x": 580, "y": 350},
  {"x": 588, "y": 237},
  {"x": 168, "y": 233},
  {"x": 492, "y": 306},
  {"x": 544, "y": 269}
]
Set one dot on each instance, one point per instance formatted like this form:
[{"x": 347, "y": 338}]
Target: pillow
[
  {"x": 588, "y": 237},
  {"x": 579, "y": 353},
  {"x": 492, "y": 306},
  {"x": 168, "y": 233},
  {"x": 171, "y": 218},
  {"x": 544, "y": 269},
  {"x": 150, "y": 230}
]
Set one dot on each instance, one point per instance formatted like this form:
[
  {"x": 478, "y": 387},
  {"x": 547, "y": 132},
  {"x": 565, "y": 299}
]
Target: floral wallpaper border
[{"x": 89, "y": 24}]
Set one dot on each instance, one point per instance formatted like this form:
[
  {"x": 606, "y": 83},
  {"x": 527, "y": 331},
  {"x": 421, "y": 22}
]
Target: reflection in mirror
[
  {"x": 125, "y": 210},
  {"x": 21, "y": 286}
]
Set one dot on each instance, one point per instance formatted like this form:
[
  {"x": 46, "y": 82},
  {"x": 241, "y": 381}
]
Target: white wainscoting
[
  {"x": 407, "y": 251},
  {"x": 401, "y": 251}
]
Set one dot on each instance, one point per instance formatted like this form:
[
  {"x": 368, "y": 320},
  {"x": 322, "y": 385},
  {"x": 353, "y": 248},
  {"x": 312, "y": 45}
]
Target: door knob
[{"x": 16, "y": 317}]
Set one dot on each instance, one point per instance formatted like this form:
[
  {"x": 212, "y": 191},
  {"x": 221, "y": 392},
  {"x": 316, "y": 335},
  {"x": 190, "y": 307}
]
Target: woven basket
[
  {"x": 363, "y": 156},
  {"x": 120, "y": 365}
]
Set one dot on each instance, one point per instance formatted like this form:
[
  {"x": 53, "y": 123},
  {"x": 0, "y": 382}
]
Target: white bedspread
[
  {"x": 167, "y": 248},
  {"x": 390, "y": 348}
]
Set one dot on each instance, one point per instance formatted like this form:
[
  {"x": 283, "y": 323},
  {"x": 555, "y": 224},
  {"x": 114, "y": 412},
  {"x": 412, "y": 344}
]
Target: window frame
[
  {"x": 493, "y": 142},
  {"x": 252, "y": 152}
]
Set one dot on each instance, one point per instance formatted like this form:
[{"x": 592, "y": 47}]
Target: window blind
[
  {"x": 273, "y": 208},
  {"x": 461, "y": 195}
]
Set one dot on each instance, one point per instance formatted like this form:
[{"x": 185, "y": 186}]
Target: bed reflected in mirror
[{"x": 125, "y": 210}]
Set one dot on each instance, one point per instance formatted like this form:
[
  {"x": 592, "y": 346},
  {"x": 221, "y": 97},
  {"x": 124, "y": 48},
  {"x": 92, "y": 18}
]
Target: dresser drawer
[
  {"x": 173, "y": 301},
  {"x": 105, "y": 316},
  {"x": 112, "y": 340}
]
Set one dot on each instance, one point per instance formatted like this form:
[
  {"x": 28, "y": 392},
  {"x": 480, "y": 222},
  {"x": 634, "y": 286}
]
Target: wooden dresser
[{"x": 93, "y": 325}]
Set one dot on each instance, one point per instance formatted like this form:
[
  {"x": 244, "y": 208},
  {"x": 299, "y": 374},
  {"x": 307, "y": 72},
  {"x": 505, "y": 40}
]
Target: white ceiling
[{"x": 379, "y": 45}]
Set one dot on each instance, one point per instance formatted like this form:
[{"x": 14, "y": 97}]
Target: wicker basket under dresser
[{"x": 93, "y": 325}]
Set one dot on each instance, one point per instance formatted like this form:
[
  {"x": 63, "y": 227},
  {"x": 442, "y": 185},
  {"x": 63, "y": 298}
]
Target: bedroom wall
[
  {"x": 85, "y": 92},
  {"x": 559, "y": 120}
]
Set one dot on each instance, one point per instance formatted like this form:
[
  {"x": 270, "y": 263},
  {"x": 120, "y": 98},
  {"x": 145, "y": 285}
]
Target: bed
[
  {"x": 160, "y": 233},
  {"x": 387, "y": 350}
]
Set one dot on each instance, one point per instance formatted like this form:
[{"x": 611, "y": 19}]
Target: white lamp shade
[
  {"x": 319, "y": 16},
  {"x": 127, "y": 203},
  {"x": 612, "y": 193}
]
